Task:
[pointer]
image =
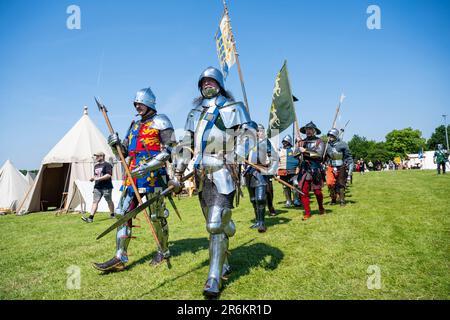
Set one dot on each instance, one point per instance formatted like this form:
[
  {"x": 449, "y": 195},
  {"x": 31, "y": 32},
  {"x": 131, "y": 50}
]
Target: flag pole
[
  {"x": 295, "y": 124},
  {"x": 236, "y": 54}
]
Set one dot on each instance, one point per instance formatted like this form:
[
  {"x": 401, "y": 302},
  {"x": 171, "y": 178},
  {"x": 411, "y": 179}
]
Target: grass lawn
[{"x": 396, "y": 221}]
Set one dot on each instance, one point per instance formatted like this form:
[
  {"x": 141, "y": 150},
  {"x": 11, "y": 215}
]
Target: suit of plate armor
[
  {"x": 216, "y": 129},
  {"x": 287, "y": 167},
  {"x": 263, "y": 154},
  {"x": 147, "y": 145},
  {"x": 338, "y": 159}
]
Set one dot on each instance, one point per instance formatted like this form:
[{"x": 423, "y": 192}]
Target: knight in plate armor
[
  {"x": 340, "y": 166},
  {"x": 258, "y": 182},
  {"x": 218, "y": 129},
  {"x": 147, "y": 145},
  {"x": 287, "y": 169}
]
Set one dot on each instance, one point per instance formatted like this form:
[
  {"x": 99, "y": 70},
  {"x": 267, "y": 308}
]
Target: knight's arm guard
[
  {"x": 274, "y": 159},
  {"x": 246, "y": 140},
  {"x": 167, "y": 144},
  {"x": 167, "y": 141},
  {"x": 348, "y": 159},
  {"x": 183, "y": 154}
]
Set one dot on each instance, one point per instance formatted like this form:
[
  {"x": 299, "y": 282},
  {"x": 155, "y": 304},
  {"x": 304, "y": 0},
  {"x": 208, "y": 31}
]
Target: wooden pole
[
  {"x": 334, "y": 124},
  {"x": 295, "y": 124},
  {"x": 236, "y": 55}
]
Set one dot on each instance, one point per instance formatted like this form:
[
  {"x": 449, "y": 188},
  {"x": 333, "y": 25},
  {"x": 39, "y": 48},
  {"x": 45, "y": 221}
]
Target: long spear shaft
[
  {"x": 236, "y": 55},
  {"x": 334, "y": 124},
  {"x": 128, "y": 172},
  {"x": 257, "y": 167}
]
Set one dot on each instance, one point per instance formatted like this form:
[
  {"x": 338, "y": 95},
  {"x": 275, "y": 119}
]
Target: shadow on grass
[
  {"x": 271, "y": 221},
  {"x": 177, "y": 248},
  {"x": 242, "y": 259}
]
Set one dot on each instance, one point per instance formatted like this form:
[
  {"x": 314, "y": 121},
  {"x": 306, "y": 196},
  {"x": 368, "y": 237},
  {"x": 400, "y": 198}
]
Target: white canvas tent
[
  {"x": 13, "y": 186},
  {"x": 29, "y": 178},
  {"x": 70, "y": 159},
  {"x": 426, "y": 162}
]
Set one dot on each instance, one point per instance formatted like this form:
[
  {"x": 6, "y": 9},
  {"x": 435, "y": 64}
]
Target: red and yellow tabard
[{"x": 140, "y": 136}]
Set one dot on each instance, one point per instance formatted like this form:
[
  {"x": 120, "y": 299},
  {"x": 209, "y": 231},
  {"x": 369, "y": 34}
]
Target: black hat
[{"x": 310, "y": 125}]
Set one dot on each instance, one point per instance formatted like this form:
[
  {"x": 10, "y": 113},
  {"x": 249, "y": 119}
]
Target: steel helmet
[{"x": 146, "y": 97}]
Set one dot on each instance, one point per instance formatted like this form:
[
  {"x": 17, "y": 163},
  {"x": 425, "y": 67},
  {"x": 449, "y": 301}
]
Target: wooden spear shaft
[{"x": 334, "y": 124}]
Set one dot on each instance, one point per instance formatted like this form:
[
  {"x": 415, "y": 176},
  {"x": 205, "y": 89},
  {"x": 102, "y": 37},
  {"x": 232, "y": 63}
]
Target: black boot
[
  {"x": 332, "y": 196},
  {"x": 260, "y": 218},
  {"x": 342, "y": 197},
  {"x": 255, "y": 210},
  {"x": 112, "y": 265}
]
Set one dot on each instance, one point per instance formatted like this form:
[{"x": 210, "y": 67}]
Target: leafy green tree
[
  {"x": 438, "y": 137},
  {"x": 378, "y": 151},
  {"x": 359, "y": 147},
  {"x": 404, "y": 141}
]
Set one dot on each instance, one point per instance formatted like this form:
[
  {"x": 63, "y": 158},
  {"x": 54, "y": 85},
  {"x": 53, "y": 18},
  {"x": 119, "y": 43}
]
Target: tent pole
[
  {"x": 25, "y": 198},
  {"x": 65, "y": 185}
]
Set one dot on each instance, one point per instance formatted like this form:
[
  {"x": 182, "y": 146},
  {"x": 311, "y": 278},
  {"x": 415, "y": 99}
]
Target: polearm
[
  {"x": 259, "y": 168},
  {"x": 341, "y": 135},
  {"x": 334, "y": 122},
  {"x": 104, "y": 111},
  {"x": 236, "y": 55}
]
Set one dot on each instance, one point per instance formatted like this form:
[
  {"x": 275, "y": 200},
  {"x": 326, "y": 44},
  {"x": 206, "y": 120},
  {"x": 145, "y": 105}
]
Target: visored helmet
[
  {"x": 333, "y": 132},
  {"x": 146, "y": 97},
  {"x": 287, "y": 139},
  {"x": 212, "y": 73}
]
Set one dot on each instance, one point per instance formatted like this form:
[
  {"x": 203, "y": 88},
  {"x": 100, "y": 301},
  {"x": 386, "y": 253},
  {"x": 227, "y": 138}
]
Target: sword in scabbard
[{"x": 260, "y": 169}]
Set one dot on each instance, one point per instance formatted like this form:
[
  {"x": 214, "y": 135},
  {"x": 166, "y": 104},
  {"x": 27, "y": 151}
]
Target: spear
[{"x": 334, "y": 122}]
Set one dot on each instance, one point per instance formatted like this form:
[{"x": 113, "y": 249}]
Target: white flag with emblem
[{"x": 225, "y": 46}]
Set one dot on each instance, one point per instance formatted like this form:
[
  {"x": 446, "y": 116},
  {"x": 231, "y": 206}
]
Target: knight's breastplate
[
  {"x": 336, "y": 157},
  {"x": 144, "y": 144},
  {"x": 211, "y": 141},
  {"x": 259, "y": 154}
]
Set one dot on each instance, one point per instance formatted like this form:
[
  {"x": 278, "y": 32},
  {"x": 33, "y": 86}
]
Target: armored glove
[
  {"x": 114, "y": 140},
  {"x": 176, "y": 182},
  {"x": 177, "y": 185},
  {"x": 141, "y": 171}
]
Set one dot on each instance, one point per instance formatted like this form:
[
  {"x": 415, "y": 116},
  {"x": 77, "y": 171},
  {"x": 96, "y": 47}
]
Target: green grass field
[{"x": 397, "y": 221}]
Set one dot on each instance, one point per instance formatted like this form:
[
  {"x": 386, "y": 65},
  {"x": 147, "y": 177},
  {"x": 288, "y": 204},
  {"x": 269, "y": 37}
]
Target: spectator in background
[
  {"x": 102, "y": 187},
  {"x": 440, "y": 158},
  {"x": 362, "y": 166}
]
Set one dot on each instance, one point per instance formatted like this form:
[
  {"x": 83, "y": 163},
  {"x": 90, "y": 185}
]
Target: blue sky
[{"x": 393, "y": 78}]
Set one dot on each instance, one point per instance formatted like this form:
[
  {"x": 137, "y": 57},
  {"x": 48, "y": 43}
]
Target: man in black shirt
[{"x": 103, "y": 185}]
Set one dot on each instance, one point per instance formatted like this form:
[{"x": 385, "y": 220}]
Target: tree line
[{"x": 398, "y": 143}]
